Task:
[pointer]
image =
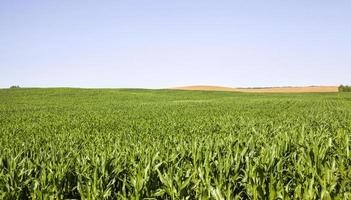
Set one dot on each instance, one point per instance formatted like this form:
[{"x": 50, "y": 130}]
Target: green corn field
[{"x": 166, "y": 144}]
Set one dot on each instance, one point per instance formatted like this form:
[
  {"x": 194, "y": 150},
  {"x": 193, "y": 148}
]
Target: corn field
[{"x": 166, "y": 144}]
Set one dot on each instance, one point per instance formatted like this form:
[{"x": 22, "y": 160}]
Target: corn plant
[{"x": 166, "y": 144}]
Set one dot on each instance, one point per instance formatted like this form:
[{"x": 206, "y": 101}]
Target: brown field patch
[{"x": 306, "y": 89}]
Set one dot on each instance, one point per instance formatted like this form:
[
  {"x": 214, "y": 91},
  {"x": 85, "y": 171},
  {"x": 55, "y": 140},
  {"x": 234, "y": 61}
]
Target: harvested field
[{"x": 306, "y": 89}]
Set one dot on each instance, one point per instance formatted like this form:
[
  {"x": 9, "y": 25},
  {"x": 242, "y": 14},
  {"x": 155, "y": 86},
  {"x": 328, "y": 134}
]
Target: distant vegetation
[
  {"x": 14, "y": 86},
  {"x": 344, "y": 88}
]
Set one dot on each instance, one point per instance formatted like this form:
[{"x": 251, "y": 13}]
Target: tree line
[{"x": 344, "y": 88}]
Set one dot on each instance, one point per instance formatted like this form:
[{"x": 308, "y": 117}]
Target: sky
[{"x": 165, "y": 43}]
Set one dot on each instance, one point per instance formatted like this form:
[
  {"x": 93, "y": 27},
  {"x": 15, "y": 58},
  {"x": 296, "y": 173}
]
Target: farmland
[
  {"x": 305, "y": 89},
  {"x": 166, "y": 144}
]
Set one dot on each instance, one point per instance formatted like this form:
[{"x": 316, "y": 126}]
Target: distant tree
[
  {"x": 341, "y": 88},
  {"x": 344, "y": 88},
  {"x": 14, "y": 86}
]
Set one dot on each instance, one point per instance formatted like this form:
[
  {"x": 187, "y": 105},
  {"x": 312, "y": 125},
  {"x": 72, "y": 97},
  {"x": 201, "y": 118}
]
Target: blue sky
[{"x": 157, "y": 44}]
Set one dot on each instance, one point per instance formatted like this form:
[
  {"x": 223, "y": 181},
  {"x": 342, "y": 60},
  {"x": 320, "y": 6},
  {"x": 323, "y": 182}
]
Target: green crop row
[{"x": 161, "y": 144}]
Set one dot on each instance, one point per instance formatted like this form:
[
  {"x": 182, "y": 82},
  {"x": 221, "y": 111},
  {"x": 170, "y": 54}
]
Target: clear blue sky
[{"x": 163, "y": 43}]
